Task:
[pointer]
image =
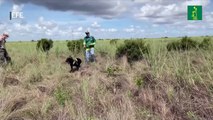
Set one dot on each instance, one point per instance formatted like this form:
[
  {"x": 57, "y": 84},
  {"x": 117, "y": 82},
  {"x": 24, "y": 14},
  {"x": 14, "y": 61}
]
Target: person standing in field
[
  {"x": 89, "y": 44},
  {"x": 4, "y": 57}
]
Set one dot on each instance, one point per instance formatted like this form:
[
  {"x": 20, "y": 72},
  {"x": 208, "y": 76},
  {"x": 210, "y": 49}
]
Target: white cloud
[
  {"x": 197, "y": 2},
  {"x": 80, "y": 29},
  {"x": 108, "y": 30},
  {"x": 160, "y": 13},
  {"x": 46, "y": 25},
  {"x": 141, "y": 30},
  {"x": 17, "y": 8},
  {"x": 95, "y": 25},
  {"x": 76, "y": 33},
  {"x": 155, "y": 25},
  {"x": 23, "y": 27},
  {"x": 112, "y": 30},
  {"x": 129, "y": 29},
  {"x": 135, "y": 29}
]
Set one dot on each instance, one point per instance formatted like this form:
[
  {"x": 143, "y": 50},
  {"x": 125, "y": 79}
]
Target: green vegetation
[
  {"x": 162, "y": 85},
  {"x": 133, "y": 49},
  {"x": 44, "y": 45},
  {"x": 75, "y": 46},
  {"x": 114, "y": 41},
  {"x": 187, "y": 43},
  {"x": 206, "y": 44}
]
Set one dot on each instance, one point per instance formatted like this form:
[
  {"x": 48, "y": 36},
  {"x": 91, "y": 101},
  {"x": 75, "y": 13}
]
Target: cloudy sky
[{"x": 69, "y": 19}]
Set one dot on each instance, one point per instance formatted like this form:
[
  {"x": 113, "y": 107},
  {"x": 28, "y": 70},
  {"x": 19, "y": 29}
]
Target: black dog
[{"x": 74, "y": 63}]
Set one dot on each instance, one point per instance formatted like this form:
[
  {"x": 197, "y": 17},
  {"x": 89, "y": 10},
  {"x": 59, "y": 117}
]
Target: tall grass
[{"x": 165, "y": 85}]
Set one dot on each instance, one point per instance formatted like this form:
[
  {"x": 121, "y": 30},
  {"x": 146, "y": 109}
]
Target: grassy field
[{"x": 163, "y": 86}]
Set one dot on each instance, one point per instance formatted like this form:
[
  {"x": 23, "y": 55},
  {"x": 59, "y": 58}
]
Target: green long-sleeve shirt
[{"x": 89, "y": 41}]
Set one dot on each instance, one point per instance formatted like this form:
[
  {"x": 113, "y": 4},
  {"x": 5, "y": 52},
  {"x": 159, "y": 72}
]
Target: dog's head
[{"x": 69, "y": 60}]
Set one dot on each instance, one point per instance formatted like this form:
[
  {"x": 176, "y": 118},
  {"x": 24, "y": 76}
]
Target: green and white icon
[{"x": 194, "y": 12}]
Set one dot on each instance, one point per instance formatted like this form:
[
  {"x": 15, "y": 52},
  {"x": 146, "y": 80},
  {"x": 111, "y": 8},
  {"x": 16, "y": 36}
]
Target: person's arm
[
  {"x": 84, "y": 43},
  {"x": 93, "y": 41}
]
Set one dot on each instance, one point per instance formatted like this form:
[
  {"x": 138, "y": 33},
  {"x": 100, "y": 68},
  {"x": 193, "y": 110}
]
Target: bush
[
  {"x": 205, "y": 44},
  {"x": 188, "y": 43},
  {"x": 44, "y": 45},
  {"x": 75, "y": 46},
  {"x": 133, "y": 49},
  {"x": 184, "y": 44}
]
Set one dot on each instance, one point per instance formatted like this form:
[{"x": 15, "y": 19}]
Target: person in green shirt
[{"x": 89, "y": 44}]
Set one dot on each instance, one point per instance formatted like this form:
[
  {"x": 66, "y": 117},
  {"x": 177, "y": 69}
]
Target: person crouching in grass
[{"x": 4, "y": 56}]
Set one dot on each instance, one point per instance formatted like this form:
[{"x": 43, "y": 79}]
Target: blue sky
[{"x": 69, "y": 19}]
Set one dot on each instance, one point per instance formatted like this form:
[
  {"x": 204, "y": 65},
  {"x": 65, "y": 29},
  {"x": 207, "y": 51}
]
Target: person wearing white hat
[
  {"x": 4, "y": 57},
  {"x": 3, "y": 38}
]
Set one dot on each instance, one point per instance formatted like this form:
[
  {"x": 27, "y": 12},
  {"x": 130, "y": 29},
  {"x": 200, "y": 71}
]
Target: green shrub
[
  {"x": 133, "y": 49},
  {"x": 188, "y": 43},
  {"x": 75, "y": 46},
  {"x": 44, "y": 45},
  {"x": 205, "y": 44},
  {"x": 184, "y": 44}
]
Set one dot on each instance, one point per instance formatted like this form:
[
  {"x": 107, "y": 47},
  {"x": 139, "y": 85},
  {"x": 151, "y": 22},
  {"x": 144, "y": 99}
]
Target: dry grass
[{"x": 164, "y": 86}]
